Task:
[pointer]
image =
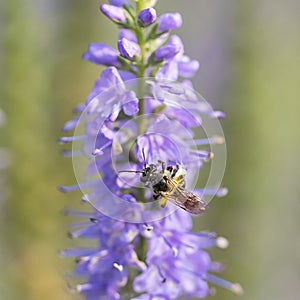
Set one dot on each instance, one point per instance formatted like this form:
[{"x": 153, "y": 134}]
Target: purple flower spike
[
  {"x": 128, "y": 49},
  {"x": 114, "y": 13},
  {"x": 101, "y": 54},
  {"x": 147, "y": 16},
  {"x": 169, "y": 21},
  {"x": 144, "y": 247}
]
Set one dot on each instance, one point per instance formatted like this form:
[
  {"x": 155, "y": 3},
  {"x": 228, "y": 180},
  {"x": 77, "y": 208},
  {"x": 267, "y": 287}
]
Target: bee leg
[
  {"x": 163, "y": 166},
  {"x": 164, "y": 202}
]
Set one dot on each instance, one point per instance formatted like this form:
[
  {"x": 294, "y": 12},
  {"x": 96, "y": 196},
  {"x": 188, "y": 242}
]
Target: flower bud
[
  {"x": 169, "y": 21},
  {"x": 128, "y": 49},
  {"x": 114, "y": 13},
  {"x": 146, "y": 17},
  {"x": 167, "y": 52},
  {"x": 101, "y": 54}
]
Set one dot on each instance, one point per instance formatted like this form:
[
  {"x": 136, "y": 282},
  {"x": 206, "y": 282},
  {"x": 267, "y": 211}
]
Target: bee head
[{"x": 147, "y": 172}]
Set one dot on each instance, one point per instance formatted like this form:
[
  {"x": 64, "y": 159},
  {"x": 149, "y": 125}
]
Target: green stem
[
  {"x": 141, "y": 67},
  {"x": 141, "y": 91}
]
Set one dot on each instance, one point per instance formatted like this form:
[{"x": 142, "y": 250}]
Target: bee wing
[{"x": 186, "y": 200}]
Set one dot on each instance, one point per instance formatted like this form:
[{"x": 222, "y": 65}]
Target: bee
[{"x": 169, "y": 184}]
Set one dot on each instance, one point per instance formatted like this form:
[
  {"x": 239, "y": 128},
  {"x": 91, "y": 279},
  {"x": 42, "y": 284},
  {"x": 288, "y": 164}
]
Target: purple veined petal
[
  {"x": 128, "y": 49},
  {"x": 194, "y": 286},
  {"x": 118, "y": 2},
  {"x": 178, "y": 217},
  {"x": 101, "y": 54},
  {"x": 130, "y": 103},
  {"x": 187, "y": 68},
  {"x": 114, "y": 13},
  {"x": 152, "y": 281},
  {"x": 126, "y": 75},
  {"x": 147, "y": 16},
  {"x": 175, "y": 40},
  {"x": 169, "y": 21},
  {"x": 110, "y": 77},
  {"x": 127, "y": 34},
  {"x": 169, "y": 71},
  {"x": 183, "y": 116}
]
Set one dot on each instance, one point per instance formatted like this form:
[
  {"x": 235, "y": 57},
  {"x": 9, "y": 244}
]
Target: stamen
[
  {"x": 174, "y": 249},
  {"x": 83, "y": 287},
  {"x": 234, "y": 287},
  {"x": 85, "y": 198},
  {"x": 164, "y": 279},
  {"x": 237, "y": 289},
  {"x": 218, "y": 114},
  {"x": 222, "y": 192},
  {"x": 219, "y": 192},
  {"x": 68, "y": 139},
  {"x": 148, "y": 227},
  {"x": 118, "y": 267},
  {"x": 203, "y": 154},
  {"x": 71, "y": 153},
  {"x": 77, "y": 214},
  {"x": 222, "y": 242},
  {"x": 70, "y": 125},
  {"x": 67, "y": 189},
  {"x": 94, "y": 260},
  {"x": 217, "y": 139},
  {"x": 79, "y": 109},
  {"x": 211, "y": 155},
  {"x": 99, "y": 151}
]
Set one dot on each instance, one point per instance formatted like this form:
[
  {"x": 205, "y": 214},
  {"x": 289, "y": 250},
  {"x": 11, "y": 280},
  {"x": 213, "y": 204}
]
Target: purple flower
[
  {"x": 130, "y": 124},
  {"x": 108, "y": 102},
  {"x": 101, "y": 54},
  {"x": 169, "y": 21},
  {"x": 128, "y": 49},
  {"x": 168, "y": 51},
  {"x": 147, "y": 16},
  {"x": 181, "y": 65},
  {"x": 127, "y": 34},
  {"x": 114, "y": 13}
]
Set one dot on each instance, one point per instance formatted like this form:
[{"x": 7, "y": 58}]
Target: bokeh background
[{"x": 250, "y": 67}]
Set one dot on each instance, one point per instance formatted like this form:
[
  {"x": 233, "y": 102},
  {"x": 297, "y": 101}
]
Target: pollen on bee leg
[
  {"x": 118, "y": 267},
  {"x": 164, "y": 202}
]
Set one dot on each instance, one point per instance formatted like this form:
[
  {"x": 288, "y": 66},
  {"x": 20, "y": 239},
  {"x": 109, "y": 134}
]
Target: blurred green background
[{"x": 250, "y": 67}]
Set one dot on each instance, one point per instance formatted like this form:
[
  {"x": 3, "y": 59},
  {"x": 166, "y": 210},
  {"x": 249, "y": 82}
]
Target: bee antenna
[
  {"x": 144, "y": 157},
  {"x": 130, "y": 171}
]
